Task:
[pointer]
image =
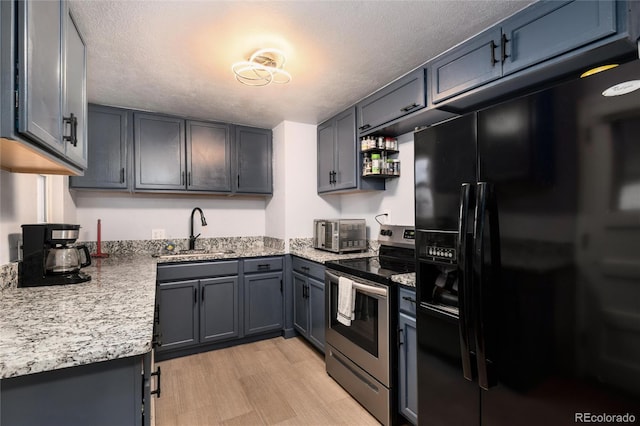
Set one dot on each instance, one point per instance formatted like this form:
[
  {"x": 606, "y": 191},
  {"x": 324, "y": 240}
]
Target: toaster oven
[{"x": 340, "y": 235}]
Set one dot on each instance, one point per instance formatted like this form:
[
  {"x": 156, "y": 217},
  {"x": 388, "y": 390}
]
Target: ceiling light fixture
[{"x": 264, "y": 67}]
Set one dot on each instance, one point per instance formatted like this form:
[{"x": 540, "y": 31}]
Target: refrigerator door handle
[
  {"x": 464, "y": 275},
  {"x": 485, "y": 203}
]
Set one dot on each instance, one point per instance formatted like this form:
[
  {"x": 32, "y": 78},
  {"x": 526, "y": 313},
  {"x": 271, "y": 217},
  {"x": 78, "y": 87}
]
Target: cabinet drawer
[
  {"x": 182, "y": 271},
  {"x": 307, "y": 267},
  {"x": 262, "y": 265},
  {"x": 407, "y": 301}
]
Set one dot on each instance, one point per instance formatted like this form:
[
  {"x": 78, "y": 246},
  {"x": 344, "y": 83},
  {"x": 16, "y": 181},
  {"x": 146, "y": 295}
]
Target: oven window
[{"x": 363, "y": 330}]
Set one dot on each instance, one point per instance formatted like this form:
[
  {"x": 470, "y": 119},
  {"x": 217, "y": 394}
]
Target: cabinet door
[
  {"x": 408, "y": 368},
  {"x": 208, "y": 157},
  {"x": 548, "y": 29},
  {"x": 346, "y": 158},
  {"x": 75, "y": 98},
  {"x": 178, "y": 314},
  {"x": 253, "y": 160},
  {"x": 316, "y": 312},
  {"x": 399, "y": 98},
  {"x": 219, "y": 314},
  {"x": 263, "y": 303},
  {"x": 326, "y": 146},
  {"x": 159, "y": 152},
  {"x": 468, "y": 65},
  {"x": 108, "y": 134},
  {"x": 40, "y": 66},
  {"x": 300, "y": 304}
]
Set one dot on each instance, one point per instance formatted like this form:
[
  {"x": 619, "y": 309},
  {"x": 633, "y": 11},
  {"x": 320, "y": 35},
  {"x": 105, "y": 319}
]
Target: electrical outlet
[{"x": 157, "y": 234}]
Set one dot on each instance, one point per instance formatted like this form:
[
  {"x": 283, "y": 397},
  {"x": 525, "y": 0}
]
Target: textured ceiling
[{"x": 175, "y": 56}]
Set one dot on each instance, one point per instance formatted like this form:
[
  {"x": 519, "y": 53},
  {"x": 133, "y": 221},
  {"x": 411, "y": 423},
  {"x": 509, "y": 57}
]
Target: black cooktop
[{"x": 377, "y": 269}]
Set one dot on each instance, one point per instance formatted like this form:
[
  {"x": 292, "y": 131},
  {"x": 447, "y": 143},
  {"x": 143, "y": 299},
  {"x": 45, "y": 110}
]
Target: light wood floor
[{"x": 276, "y": 381}]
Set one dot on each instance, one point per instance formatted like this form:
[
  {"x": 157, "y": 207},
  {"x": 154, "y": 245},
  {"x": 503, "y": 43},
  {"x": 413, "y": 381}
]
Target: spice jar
[{"x": 375, "y": 164}]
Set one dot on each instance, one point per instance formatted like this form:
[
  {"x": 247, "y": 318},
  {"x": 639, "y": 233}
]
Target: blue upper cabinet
[
  {"x": 339, "y": 164},
  {"x": 253, "y": 160},
  {"x": 538, "y": 34},
  {"x": 159, "y": 147},
  {"x": 466, "y": 66},
  {"x": 44, "y": 88},
  {"x": 40, "y": 35},
  {"x": 75, "y": 94},
  {"x": 403, "y": 96},
  {"x": 552, "y": 28}
]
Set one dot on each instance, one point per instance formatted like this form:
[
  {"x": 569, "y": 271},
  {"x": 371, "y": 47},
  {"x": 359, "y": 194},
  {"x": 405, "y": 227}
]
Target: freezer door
[{"x": 445, "y": 158}]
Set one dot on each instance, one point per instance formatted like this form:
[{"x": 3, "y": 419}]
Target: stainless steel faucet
[{"x": 192, "y": 239}]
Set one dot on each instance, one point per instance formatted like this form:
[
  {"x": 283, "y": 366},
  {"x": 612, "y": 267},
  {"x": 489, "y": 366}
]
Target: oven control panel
[{"x": 397, "y": 235}]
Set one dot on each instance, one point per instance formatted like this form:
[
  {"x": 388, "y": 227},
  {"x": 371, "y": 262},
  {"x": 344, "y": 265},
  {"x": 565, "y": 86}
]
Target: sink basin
[{"x": 192, "y": 253}]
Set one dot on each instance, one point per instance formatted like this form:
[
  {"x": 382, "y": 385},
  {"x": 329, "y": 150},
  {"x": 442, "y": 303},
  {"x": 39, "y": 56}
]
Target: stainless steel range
[{"x": 362, "y": 356}]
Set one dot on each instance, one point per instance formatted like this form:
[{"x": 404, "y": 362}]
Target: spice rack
[{"x": 376, "y": 161}]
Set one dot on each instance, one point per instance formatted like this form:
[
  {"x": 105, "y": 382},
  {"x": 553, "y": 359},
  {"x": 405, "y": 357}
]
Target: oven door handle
[{"x": 363, "y": 288}]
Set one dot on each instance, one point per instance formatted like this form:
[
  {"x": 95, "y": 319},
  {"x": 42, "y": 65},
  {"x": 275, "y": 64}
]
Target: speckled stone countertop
[
  {"x": 111, "y": 316},
  {"x": 52, "y": 327},
  {"x": 322, "y": 256},
  {"x": 407, "y": 280}
]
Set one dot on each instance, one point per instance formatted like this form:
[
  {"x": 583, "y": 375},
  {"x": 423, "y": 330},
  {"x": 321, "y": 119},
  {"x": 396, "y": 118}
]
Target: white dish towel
[{"x": 346, "y": 301}]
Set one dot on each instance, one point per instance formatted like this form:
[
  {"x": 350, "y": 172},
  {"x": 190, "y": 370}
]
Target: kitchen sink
[{"x": 192, "y": 253}]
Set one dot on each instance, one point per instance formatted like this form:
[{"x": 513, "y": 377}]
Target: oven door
[{"x": 366, "y": 341}]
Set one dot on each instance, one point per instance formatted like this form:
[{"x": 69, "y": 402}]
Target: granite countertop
[
  {"x": 217, "y": 255},
  {"x": 52, "y": 327},
  {"x": 407, "y": 280},
  {"x": 109, "y": 317},
  {"x": 322, "y": 256}
]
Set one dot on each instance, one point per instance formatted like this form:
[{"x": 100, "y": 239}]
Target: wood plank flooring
[{"x": 271, "y": 382}]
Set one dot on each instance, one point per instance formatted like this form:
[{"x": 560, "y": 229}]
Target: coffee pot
[
  {"x": 67, "y": 259},
  {"x": 50, "y": 255}
]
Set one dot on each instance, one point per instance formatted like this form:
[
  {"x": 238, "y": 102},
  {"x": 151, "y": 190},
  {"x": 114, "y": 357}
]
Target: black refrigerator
[{"x": 528, "y": 258}]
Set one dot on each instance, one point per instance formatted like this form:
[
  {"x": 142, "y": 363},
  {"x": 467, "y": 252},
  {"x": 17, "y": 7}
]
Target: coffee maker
[{"x": 49, "y": 256}]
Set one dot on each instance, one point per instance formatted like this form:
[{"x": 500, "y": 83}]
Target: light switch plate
[{"x": 157, "y": 234}]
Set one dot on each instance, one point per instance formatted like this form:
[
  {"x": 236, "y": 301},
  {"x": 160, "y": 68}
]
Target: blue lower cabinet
[
  {"x": 178, "y": 314},
  {"x": 219, "y": 309},
  {"x": 263, "y": 303},
  {"x": 103, "y": 393},
  {"x": 308, "y": 301},
  {"x": 407, "y": 356},
  {"x": 206, "y": 305}
]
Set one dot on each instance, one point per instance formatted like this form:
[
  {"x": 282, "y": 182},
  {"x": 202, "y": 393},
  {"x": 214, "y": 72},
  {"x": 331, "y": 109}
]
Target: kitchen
[{"x": 286, "y": 214}]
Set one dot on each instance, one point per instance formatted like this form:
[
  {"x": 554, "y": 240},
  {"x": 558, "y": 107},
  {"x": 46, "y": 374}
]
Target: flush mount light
[
  {"x": 596, "y": 70},
  {"x": 264, "y": 67}
]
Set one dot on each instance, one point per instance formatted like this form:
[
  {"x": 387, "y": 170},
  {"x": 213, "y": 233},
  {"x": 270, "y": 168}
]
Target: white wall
[
  {"x": 132, "y": 217},
  {"x": 295, "y": 202},
  {"x": 19, "y": 202}
]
